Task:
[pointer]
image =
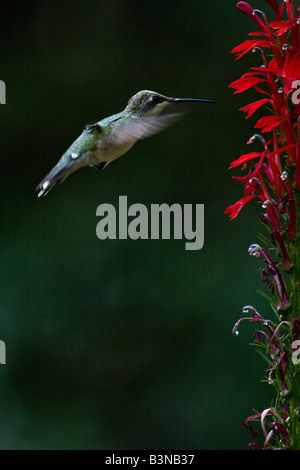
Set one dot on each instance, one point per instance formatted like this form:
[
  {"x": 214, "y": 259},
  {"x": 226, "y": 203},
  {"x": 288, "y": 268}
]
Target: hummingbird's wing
[{"x": 137, "y": 127}]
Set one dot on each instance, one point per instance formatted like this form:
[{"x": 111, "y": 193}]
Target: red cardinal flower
[
  {"x": 278, "y": 79},
  {"x": 267, "y": 123},
  {"x": 252, "y": 107},
  {"x": 272, "y": 177},
  {"x": 245, "y": 158},
  {"x": 247, "y": 46},
  {"x": 245, "y": 82},
  {"x": 234, "y": 210}
]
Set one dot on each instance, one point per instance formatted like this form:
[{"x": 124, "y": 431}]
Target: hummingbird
[{"x": 102, "y": 142}]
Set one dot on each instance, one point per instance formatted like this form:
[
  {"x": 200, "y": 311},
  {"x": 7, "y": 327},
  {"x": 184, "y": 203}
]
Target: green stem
[
  {"x": 295, "y": 312},
  {"x": 295, "y": 422}
]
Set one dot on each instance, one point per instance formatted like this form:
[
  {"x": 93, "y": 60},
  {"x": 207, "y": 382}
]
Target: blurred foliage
[{"x": 123, "y": 344}]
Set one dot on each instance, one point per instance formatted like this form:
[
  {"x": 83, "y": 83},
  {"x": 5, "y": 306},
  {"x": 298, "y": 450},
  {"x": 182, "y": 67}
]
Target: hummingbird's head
[
  {"x": 150, "y": 103},
  {"x": 147, "y": 103}
]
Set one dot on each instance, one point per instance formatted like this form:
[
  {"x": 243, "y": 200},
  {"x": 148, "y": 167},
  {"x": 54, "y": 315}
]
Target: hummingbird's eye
[{"x": 155, "y": 99}]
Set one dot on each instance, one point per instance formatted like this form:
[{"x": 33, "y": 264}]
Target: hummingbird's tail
[{"x": 58, "y": 173}]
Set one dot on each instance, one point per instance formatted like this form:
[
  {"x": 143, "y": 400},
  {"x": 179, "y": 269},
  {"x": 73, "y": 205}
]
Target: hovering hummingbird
[{"x": 108, "y": 139}]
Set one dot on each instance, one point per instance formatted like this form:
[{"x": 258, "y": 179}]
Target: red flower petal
[
  {"x": 282, "y": 31},
  {"x": 291, "y": 68},
  {"x": 281, "y": 25},
  {"x": 245, "y": 158},
  {"x": 248, "y": 45},
  {"x": 252, "y": 107},
  {"x": 267, "y": 123},
  {"x": 248, "y": 10},
  {"x": 282, "y": 149},
  {"x": 244, "y": 83},
  {"x": 234, "y": 210},
  {"x": 273, "y": 66}
]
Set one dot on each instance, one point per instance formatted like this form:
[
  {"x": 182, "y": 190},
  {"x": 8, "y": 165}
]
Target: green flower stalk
[{"x": 272, "y": 176}]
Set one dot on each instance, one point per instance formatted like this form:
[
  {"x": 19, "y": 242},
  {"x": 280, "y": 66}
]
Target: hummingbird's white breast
[{"x": 109, "y": 149}]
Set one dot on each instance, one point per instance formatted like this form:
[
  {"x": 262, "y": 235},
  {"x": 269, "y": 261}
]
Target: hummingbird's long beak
[{"x": 189, "y": 100}]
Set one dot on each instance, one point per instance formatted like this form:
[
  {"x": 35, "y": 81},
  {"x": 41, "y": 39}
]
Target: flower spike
[{"x": 272, "y": 175}]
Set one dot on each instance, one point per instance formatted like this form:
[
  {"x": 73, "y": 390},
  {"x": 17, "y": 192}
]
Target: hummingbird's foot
[{"x": 101, "y": 166}]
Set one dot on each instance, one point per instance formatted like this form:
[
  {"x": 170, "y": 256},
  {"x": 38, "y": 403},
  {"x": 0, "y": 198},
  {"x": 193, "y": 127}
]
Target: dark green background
[{"x": 124, "y": 344}]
